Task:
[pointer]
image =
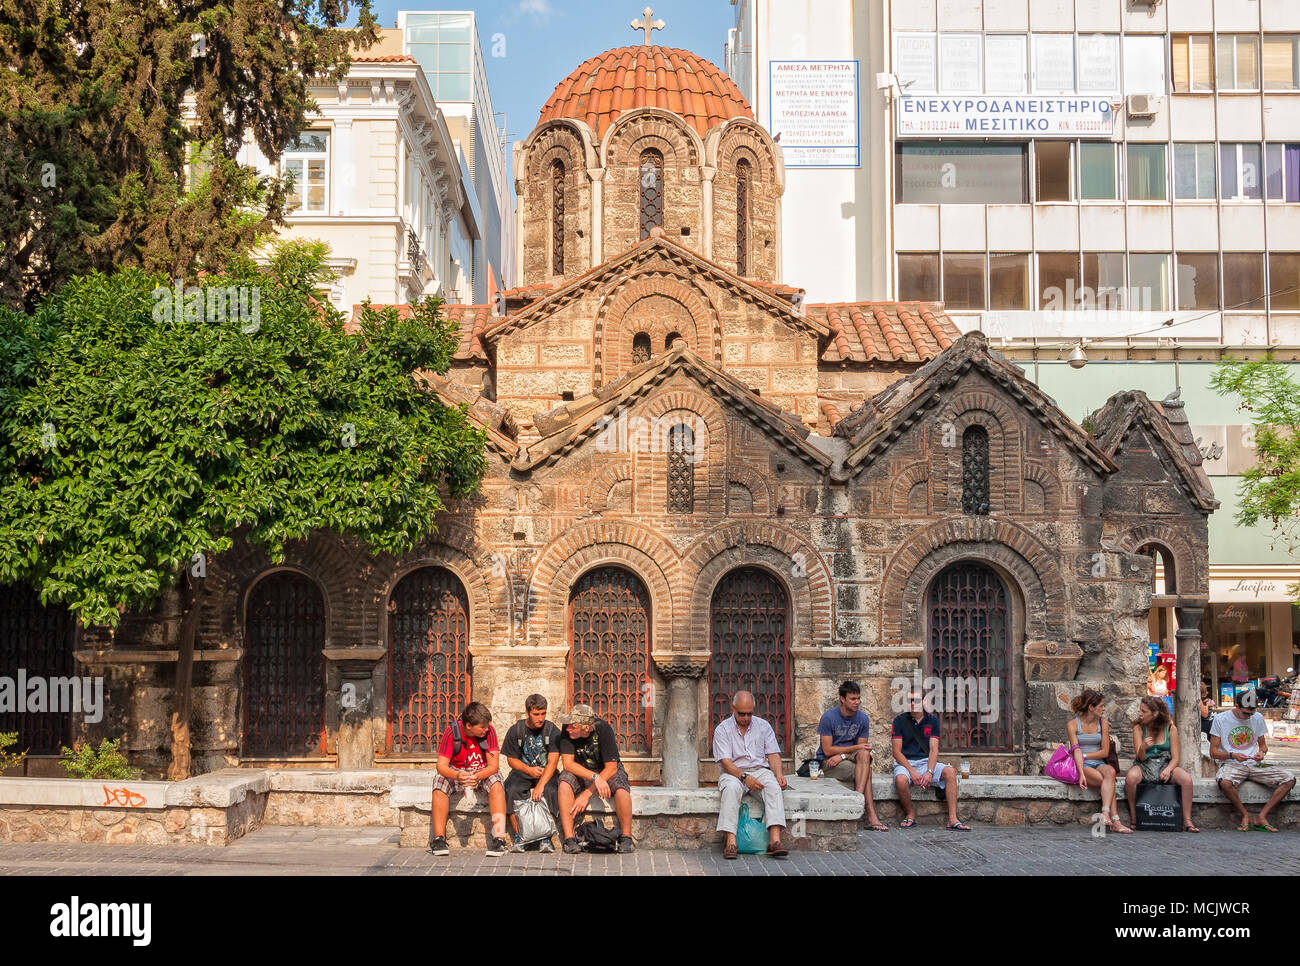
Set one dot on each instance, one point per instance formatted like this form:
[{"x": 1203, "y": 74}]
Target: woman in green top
[{"x": 1156, "y": 739}]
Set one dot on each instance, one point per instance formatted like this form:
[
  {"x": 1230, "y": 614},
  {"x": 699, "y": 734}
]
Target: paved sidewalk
[{"x": 918, "y": 851}]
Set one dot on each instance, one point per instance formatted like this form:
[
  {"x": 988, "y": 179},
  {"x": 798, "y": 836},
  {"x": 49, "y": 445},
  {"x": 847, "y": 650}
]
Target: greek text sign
[
  {"x": 813, "y": 107},
  {"x": 989, "y": 116}
]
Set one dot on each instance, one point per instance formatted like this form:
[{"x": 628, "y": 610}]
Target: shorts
[
  {"x": 580, "y": 785},
  {"x": 847, "y": 770},
  {"x": 520, "y": 786},
  {"x": 450, "y": 788},
  {"x": 920, "y": 764},
  {"x": 1237, "y": 772}
]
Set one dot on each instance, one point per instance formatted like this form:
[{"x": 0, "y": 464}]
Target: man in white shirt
[
  {"x": 1244, "y": 732},
  {"x": 749, "y": 760}
]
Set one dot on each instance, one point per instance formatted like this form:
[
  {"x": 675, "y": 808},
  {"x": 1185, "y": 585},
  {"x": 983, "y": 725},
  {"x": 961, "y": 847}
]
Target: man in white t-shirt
[{"x": 1239, "y": 738}]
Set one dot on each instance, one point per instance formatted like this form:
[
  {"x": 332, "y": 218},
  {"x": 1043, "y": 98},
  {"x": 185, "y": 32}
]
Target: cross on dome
[{"x": 646, "y": 24}]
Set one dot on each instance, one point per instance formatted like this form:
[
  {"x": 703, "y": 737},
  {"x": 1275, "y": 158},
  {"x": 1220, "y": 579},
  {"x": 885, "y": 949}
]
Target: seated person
[
  {"x": 843, "y": 749},
  {"x": 468, "y": 759},
  {"x": 1245, "y": 732},
  {"x": 1088, "y": 734},
  {"x": 532, "y": 750},
  {"x": 589, "y": 750},
  {"x": 1156, "y": 739},
  {"x": 749, "y": 759},
  {"x": 916, "y": 762}
]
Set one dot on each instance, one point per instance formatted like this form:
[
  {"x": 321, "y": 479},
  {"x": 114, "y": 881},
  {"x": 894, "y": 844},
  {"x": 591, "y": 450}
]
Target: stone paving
[{"x": 920, "y": 851}]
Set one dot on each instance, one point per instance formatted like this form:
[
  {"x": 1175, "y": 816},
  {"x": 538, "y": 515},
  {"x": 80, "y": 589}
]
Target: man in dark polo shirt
[{"x": 916, "y": 762}]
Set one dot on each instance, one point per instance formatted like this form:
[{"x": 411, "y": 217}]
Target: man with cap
[{"x": 589, "y": 751}]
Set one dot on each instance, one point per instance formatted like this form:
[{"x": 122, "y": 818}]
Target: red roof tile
[
  {"x": 625, "y": 78},
  {"x": 383, "y": 59},
  {"x": 885, "y": 331}
]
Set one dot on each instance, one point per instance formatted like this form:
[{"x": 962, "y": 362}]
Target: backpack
[
  {"x": 457, "y": 743},
  {"x": 595, "y": 837}
]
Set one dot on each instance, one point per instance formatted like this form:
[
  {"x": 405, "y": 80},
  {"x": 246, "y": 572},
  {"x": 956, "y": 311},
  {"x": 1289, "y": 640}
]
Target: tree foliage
[
  {"x": 94, "y": 141},
  {"x": 139, "y": 437},
  {"x": 1269, "y": 490}
]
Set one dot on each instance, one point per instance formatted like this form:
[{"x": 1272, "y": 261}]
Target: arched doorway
[
  {"x": 37, "y": 640},
  {"x": 609, "y": 653},
  {"x": 969, "y": 645},
  {"x": 750, "y": 620},
  {"x": 284, "y": 668},
  {"x": 428, "y": 658}
]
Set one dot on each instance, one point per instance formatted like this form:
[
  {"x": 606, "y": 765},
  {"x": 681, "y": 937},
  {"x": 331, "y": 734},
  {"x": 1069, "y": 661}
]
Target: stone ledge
[
  {"x": 1205, "y": 791},
  {"x": 319, "y": 781},
  {"x": 218, "y": 789},
  {"x": 83, "y": 793}
]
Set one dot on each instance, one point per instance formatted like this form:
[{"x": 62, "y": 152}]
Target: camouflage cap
[{"x": 580, "y": 714}]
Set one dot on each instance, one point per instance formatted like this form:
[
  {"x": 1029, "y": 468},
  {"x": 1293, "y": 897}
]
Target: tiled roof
[
  {"x": 472, "y": 320},
  {"x": 885, "y": 331},
  {"x": 626, "y": 78},
  {"x": 383, "y": 59}
]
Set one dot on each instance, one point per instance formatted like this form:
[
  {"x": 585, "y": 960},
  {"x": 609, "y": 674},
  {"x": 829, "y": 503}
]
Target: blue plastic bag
[{"x": 751, "y": 836}]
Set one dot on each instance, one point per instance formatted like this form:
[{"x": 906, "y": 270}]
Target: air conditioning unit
[
  {"x": 1146, "y": 3},
  {"x": 1142, "y": 105}
]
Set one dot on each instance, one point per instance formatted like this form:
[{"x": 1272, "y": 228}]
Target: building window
[
  {"x": 681, "y": 469},
  {"x": 918, "y": 277},
  {"x": 1240, "y": 172},
  {"x": 975, "y": 471},
  {"x": 1198, "y": 281},
  {"x": 1009, "y": 282},
  {"x": 1052, "y": 171},
  {"x": 1282, "y": 172},
  {"x": 1148, "y": 279},
  {"x": 652, "y": 186},
  {"x": 1098, "y": 63},
  {"x": 1243, "y": 281},
  {"x": 960, "y": 70},
  {"x": 1103, "y": 279},
  {"x": 1005, "y": 64},
  {"x": 743, "y": 171},
  {"x": 1284, "y": 282},
  {"x": 948, "y": 173},
  {"x": 1144, "y": 64},
  {"x": 557, "y": 218},
  {"x": 1097, "y": 181},
  {"x": 1282, "y": 63},
  {"x": 1194, "y": 172},
  {"x": 1146, "y": 173},
  {"x": 1058, "y": 281},
  {"x": 1238, "y": 62},
  {"x": 1054, "y": 63},
  {"x": 963, "y": 281},
  {"x": 640, "y": 348},
  {"x": 1193, "y": 57},
  {"x": 306, "y": 159}
]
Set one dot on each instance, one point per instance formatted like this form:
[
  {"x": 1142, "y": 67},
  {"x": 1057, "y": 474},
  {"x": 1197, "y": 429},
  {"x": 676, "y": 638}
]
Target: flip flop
[
  {"x": 878, "y": 827},
  {"x": 1189, "y": 827},
  {"x": 1244, "y": 826},
  {"x": 1265, "y": 827},
  {"x": 958, "y": 827},
  {"x": 907, "y": 823}
]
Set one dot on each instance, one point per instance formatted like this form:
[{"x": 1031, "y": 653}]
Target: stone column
[
  {"x": 707, "y": 175},
  {"x": 357, "y": 718},
  {"x": 597, "y": 176},
  {"x": 681, "y": 746},
  {"x": 1187, "y": 696}
]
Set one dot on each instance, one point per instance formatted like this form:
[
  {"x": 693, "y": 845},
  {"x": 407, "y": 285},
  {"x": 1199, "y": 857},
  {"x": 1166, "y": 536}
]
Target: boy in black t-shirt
[
  {"x": 532, "y": 749},
  {"x": 589, "y": 750}
]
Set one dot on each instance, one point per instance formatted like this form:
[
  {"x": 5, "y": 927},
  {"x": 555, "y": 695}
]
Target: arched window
[
  {"x": 652, "y": 189},
  {"x": 743, "y": 173},
  {"x": 640, "y": 348},
  {"x": 557, "y": 218},
  {"x": 681, "y": 469},
  {"x": 284, "y": 669},
  {"x": 609, "y": 653},
  {"x": 975, "y": 471},
  {"x": 750, "y": 620},
  {"x": 670, "y": 338}
]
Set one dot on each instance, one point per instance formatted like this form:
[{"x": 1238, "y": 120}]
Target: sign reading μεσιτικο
[{"x": 1020, "y": 115}]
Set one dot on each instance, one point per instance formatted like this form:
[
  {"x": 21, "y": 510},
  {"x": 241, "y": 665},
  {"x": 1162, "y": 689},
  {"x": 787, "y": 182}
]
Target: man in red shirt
[{"x": 469, "y": 759}]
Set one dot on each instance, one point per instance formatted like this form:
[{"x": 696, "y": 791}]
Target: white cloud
[{"x": 537, "y": 9}]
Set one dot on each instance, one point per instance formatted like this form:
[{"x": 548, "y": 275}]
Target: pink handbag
[{"x": 1062, "y": 766}]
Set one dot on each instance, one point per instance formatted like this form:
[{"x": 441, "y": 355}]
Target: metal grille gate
[
  {"x": 428, "y": 659},
  {"x": 37, "y": 640},
  {"x": 751, "y": 619},
  {"x": 969, "y": 642},
  {"x": 609, "y": 655},
  {"x": 284, "y": 693}
]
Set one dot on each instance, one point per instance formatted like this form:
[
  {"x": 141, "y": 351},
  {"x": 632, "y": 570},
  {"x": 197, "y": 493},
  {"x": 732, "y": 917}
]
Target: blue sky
[{"x": 546, "y": 39}]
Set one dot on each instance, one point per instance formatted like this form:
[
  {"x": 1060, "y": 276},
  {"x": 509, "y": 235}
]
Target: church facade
[{"x": 699, "y": 482}]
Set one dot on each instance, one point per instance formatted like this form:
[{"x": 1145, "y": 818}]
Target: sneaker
[
  {"x": 518, "y": 846},
  {"x": 438, "y": 846},
  {"x": 498, "y": 847},
  {"x": 546, "y": 848},
  {"x": 625, "y": 844},
  {"x": 571, "y": 846}
]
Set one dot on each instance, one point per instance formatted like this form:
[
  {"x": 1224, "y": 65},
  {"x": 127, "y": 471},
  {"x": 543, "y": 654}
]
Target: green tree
[
  {"x": 140, "y": 435},
  {"x": 93, "y": 141},
  {"x": 1269, "y": 490}
]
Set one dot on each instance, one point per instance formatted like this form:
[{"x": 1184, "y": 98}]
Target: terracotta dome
[{"x": 625, "y": 78}]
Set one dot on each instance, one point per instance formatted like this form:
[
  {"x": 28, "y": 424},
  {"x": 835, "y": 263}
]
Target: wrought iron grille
[
  {"x": 284, "y": 692},
  {"x": 742, "y": 217},
  {"x": 557, "y": 218},
  {"x": 414, "y": 251},
  {"x": 428, "y": 659},
  {"x": 975, "y": 471},
  {"x": 652, "y": 184},
  {"x": 751, "y": 619},
  {"x": 969, "y": 644},
  {"x": 609, "y": 655},
  {"x": 681, "y": 469},
  {"x": 640, "y": 348},
  {"x": 37, "y": 640}
]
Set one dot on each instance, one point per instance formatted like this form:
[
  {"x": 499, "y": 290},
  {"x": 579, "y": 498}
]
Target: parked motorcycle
[{"x": 1274, "y": 692}]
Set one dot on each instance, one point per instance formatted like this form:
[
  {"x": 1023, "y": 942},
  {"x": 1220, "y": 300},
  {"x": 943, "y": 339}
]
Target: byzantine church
[{"x": 699, "y": 480}]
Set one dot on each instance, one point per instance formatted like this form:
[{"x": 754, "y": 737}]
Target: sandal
[
  {"x": 778, "y": 851},
  {"x": 958, "y": 827},
  {"x": 907, "y": 823},
  {"x": 730, "y": 851},
  {"x": 878, "y": 827},
  {"x": 1189, "y": 827},
  {"x": 1265, "y": 827},
  {"x": 1244, "y": 826},
  {"x": 1119, "y": 827}
]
